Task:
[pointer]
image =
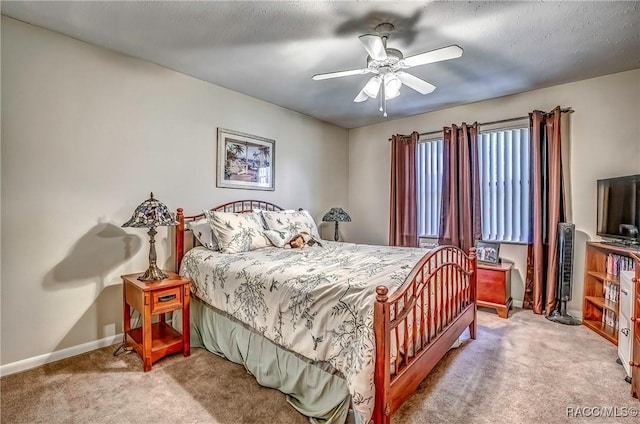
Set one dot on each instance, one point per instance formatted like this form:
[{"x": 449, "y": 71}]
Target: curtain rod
[{"x": 502, "y": 121}]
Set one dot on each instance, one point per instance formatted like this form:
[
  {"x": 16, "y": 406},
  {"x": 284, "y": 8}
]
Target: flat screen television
[{"x": 619, "y": 209}]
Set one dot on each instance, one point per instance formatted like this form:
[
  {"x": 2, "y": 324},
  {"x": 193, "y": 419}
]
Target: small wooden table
[
  {"x": 153, "y": 341},
  {"x": 494, "y": 287}
]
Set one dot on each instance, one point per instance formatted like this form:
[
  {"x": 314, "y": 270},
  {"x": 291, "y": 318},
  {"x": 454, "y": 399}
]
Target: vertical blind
[
  {"x": 505, "y": 184},
  {"x": 429, "y": 173}
]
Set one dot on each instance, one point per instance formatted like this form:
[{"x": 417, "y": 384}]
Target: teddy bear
[{"x": 301, "y": 239}]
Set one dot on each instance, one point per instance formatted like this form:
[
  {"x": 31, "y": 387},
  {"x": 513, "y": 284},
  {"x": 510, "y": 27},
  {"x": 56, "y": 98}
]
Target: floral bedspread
[{"x": 315, "y": 301}]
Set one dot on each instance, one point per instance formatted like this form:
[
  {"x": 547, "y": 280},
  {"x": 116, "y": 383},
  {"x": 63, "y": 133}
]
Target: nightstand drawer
[{"x": 166, "y": 300}]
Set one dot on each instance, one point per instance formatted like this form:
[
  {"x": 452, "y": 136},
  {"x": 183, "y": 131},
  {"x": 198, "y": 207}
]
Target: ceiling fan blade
[
  {"x": 420, "y": 85},
  {"x": 374, "y": 46},
  {"x": 328, "y": 75},
  {"x": 437, "y": 55}
]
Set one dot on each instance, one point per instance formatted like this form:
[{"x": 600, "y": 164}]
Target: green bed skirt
[{"x": 315, "y": 390}]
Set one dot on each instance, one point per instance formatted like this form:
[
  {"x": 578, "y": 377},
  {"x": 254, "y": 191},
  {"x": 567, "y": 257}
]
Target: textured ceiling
[{"x": 270, "y": 50}]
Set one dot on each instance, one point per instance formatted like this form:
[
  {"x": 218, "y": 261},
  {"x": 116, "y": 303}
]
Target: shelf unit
[{"x": 595, "y": 279}]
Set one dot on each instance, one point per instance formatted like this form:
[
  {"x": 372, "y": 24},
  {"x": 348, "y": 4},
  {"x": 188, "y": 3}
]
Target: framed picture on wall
[
  {"x": 245, "y": 161},
  {"x": 488, "y": 252}
]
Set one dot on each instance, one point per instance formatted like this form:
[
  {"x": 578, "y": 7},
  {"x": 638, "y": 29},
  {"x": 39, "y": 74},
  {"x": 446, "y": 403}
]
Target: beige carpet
[{"x": 521, "y": 370}]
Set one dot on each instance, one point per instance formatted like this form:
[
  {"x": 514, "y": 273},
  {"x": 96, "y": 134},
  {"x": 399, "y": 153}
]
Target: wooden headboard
[{"x": 239, "y": 206}]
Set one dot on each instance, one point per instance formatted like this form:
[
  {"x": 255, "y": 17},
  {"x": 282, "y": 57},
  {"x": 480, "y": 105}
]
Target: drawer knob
[
  {"x": 634, "y": 279},
  {"x": 633, "y": 319},
  {"x": 634, "y": 364}
]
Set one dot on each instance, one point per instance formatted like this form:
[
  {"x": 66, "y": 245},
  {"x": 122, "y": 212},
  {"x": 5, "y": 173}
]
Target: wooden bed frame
[{"x": 398, "y": 318}]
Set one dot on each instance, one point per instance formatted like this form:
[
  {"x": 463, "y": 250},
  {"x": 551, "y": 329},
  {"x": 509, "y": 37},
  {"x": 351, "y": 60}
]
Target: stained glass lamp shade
[
  {"x": 151, "y": 214},
  {"x": 336, "y": 215}
]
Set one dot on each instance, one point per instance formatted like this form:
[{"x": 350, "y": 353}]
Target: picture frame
[
  {"x": 488, "y": 252},
  {"x": 245, "y": 161}
]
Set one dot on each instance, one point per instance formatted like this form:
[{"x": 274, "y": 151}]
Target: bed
[{"x": 336, "y": 327}]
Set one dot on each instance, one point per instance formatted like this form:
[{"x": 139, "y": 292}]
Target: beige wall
[
  {"x": 604, "y": 141},
  {"x": 87, "y": 134}
]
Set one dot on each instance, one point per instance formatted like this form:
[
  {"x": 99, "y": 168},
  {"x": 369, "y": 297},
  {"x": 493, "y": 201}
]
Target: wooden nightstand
[
  {"x": 156, "y": 340},
  {"x": 494, "y": 288}
]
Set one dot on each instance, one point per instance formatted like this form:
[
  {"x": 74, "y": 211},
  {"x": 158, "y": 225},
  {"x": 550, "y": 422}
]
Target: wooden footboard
[{"x": 419, "y": 323}]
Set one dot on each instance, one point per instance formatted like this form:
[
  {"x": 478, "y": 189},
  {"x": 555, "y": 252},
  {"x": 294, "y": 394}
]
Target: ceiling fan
[{"x": 388, "y": 67}]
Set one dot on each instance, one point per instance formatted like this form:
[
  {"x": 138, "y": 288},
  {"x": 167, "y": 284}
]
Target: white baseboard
[
  {"x": 517, "y": 303},
  {"x": 36, "y": 361}
]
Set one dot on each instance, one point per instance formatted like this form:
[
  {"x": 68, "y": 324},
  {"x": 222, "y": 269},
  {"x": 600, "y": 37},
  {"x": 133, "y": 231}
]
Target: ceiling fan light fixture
[
  {"x": 372, "y": 87},
  {"x": 388, "y": 66},
  {"x": 392, "y": 86}
]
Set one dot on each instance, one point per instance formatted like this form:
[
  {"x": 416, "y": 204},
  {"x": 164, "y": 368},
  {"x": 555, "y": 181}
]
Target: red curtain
[
  {"x": 548, "y": 210},
  {"x": 460, "y": 214},
  {"x": 403, "y": 216}
]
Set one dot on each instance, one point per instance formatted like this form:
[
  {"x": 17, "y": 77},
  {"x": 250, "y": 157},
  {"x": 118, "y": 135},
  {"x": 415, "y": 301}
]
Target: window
[
  {"x": 429, "y": 172},
  {"x": 504, "y": 184}
]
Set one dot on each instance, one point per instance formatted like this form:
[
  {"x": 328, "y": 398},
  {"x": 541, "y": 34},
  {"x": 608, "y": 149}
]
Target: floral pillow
[
  {"x": 278, "y": 238},
  {"x": 258, "y": 214},
  {"x": 204, "y": 233},
  {"x": 292, "y": 222},
  {"x": 237, "y": 232}
]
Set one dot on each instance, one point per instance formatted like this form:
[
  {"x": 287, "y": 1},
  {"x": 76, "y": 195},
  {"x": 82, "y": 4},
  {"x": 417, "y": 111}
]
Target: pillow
[
  {"x": 258, "y": 214},
  {"x": 291, "y": 221},
  {"x": 278, "y": 238},
  {"x": 314, "y": 228},
  {"x": 202, "y": 231},
  {"x": 237, "y": 232}
]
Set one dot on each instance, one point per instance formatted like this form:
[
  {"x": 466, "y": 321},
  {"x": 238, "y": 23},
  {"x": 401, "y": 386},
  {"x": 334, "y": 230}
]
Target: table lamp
[
  {"x": 336, "y": 215},
  {"x": 151, "y": 214}
]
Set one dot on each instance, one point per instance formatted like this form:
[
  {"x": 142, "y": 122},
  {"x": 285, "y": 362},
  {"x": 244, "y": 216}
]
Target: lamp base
[{"x": 152, "y": 273}]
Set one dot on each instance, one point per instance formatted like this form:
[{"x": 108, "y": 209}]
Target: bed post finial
[
  {"x": 382, "y": 294},
  {"x": 472, "y": 253}
]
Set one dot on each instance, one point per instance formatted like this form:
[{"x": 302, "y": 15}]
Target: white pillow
[
  {"x": 237, "y": 232},
  {"x": 292, "y": 222},
  {"x": 202, "y": 231},
  {"x": 314, "y": 228},
  {"x": 258, "y": 214},
  {"x": 278, "y": 238}
]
